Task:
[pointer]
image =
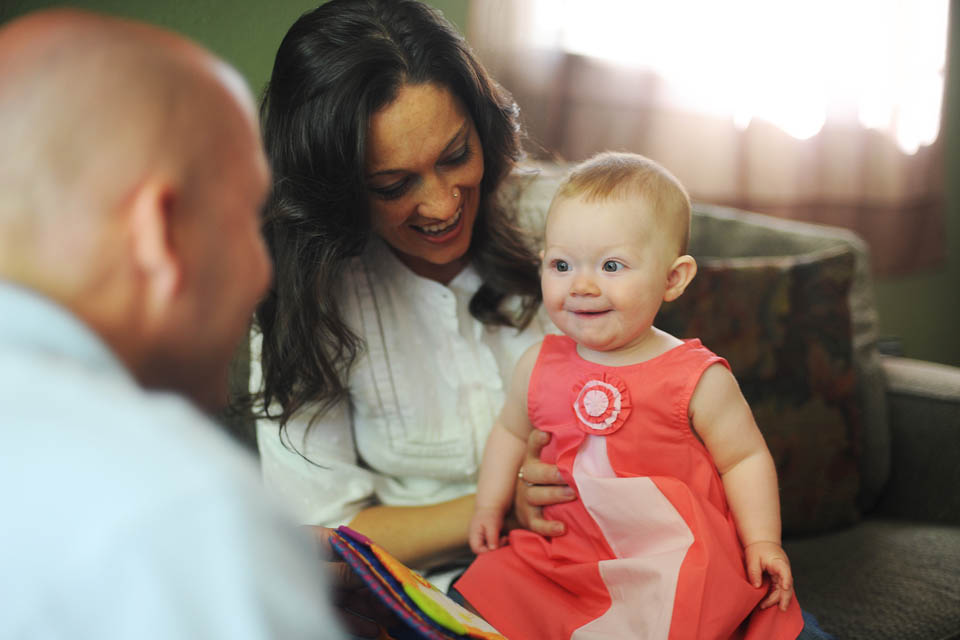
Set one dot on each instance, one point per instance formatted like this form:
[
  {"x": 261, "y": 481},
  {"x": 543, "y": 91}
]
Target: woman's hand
[
  {"x": 539, "y": 485},
  {"x": 360, "y": 612}
]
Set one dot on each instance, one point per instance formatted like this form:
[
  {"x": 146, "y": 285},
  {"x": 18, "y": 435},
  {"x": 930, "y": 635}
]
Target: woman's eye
[
  {"x": 612, "y": 265},
  {"x": 459, "y": 157},
  {"x": 392, "y": 191},
  {"x": 561, "y": 265}
]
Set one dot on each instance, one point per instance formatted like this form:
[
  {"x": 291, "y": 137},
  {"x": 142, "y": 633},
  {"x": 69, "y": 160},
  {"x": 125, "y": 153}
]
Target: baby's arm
[
  {"x": 502, "y": 457},
  {"x": 723, "y": 420}
]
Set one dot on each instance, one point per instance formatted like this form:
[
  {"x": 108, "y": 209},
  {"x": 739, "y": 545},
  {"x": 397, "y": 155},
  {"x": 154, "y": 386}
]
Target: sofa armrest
[{"x": 924, "y": 405}]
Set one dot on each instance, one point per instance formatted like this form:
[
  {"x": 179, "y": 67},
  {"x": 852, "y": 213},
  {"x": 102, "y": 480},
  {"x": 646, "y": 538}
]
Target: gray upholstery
[
  {"x": 924, "y": 400},
  {"x": 719, "y": 232},
  {"x": 881, "y": 578},
  {"x": 895, "y": 574}
]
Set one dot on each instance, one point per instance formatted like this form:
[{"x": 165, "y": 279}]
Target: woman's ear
[{"x": 681, "y": 273}]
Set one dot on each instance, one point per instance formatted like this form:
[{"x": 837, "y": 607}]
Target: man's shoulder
[
  {"x": 114, "y": 493},
  {"x": 83, "y": 432}
]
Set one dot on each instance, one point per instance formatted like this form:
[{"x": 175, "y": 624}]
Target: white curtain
[{"x": 821, "y": 111}]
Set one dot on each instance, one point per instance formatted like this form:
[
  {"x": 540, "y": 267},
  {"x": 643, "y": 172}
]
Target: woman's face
[{"x": 424, "y": 165}]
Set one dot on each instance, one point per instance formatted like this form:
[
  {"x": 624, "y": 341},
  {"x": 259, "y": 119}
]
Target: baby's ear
[{"x": 681, "y": 273}]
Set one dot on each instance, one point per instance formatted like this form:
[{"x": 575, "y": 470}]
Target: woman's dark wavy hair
[{"x": 337, "y": 66}]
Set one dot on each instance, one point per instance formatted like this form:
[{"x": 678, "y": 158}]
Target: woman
[{"x": 403, "y": 294}]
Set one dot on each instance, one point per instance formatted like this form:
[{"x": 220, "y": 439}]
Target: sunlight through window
[{"x": 796, "y": 65}]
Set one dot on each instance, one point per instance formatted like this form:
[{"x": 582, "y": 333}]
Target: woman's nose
[{"x": 440, "y": 201}]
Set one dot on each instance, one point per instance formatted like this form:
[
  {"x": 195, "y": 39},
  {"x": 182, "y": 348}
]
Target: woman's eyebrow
[{"x": 453, "y": 141}]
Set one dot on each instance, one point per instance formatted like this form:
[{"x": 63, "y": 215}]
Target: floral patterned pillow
[{"x": 784, "y": 325}]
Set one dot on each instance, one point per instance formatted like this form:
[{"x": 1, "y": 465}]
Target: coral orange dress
[{"x": 651, "y": 549}]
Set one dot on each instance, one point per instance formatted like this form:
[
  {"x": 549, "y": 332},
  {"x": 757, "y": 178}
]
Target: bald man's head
[
  {"x": 88, "y": 105},
  {"x": 122, "y": 145}
]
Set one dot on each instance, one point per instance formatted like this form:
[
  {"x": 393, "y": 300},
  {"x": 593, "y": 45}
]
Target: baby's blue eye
[
  {"x": 561, "y": 265},
  {"x": 612, "y": 265}
]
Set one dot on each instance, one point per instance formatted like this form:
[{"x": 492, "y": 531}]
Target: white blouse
[{"x": 423, "y": 392}]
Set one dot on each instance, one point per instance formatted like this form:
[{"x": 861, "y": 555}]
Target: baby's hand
[
  {"x": 770, "y": 558},
  {"x": 485, "y": 529}
]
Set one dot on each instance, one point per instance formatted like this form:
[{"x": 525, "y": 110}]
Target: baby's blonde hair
[{"x": 611, "y": 175}]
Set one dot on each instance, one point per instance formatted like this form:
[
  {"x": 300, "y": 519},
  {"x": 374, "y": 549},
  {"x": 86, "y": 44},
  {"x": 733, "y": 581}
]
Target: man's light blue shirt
[{"x": 127, "y": 513}]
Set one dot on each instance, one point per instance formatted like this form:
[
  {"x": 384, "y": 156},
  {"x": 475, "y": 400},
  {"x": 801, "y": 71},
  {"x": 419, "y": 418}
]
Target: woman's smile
[{"x": 442, "y": 231}]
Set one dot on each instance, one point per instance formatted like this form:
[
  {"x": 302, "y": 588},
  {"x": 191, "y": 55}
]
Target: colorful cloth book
[{"x": 426, "y": 612}]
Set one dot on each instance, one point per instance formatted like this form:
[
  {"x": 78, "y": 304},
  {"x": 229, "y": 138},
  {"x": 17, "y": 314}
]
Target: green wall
[
  {"x": 923, "y": 310},
  {"x": 244, "y": 32}
]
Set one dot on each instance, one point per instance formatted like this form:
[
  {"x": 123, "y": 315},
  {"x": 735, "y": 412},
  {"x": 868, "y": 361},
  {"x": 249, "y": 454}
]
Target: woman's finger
[
  {"x": 535, "y": 442},
  {"x": 341, "y": 576},
  {"x": 539, "y": 484},
  {"x": 549, "y": 528},
  {"x": 523, "y": 512},
  {"x": 536, "y": 472},
  {"x": 543, "y": 495},
  {"x": 533, "y": 470},
  {"x": 322, "y": 536}
]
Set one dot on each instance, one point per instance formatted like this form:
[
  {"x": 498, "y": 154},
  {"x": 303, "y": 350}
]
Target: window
[{"x": 795, "y": 65}]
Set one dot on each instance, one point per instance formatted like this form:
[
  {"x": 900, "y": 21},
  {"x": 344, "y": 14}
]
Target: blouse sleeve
[{"x": 319, "y": 476}]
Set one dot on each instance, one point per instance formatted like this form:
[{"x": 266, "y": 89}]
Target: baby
[{"x": 676, "y": 532}]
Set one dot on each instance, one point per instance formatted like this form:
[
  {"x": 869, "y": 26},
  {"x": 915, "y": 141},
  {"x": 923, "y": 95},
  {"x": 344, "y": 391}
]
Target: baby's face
[{"x": 605, "y": 270}]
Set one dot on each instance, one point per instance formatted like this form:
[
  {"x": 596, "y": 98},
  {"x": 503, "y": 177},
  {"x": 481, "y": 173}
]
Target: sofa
[
  {"x": 867, "y": 445},
  {"x": 872, "y": 528}
]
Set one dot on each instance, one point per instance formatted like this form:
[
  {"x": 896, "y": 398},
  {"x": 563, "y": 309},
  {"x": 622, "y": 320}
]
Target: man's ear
[
  {"x": 158, "y": 266},
  {"x": 681, "y": 273}
]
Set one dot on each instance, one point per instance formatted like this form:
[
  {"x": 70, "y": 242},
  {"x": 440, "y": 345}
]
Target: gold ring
[{"x": 520, "y": 478}]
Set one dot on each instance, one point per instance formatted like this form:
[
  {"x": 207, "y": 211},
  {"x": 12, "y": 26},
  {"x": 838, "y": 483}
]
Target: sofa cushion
[
  {"x": 725, "y": 232},
  {"x": 881, "y": 579},
  {"x": 784, "y": 325}
]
